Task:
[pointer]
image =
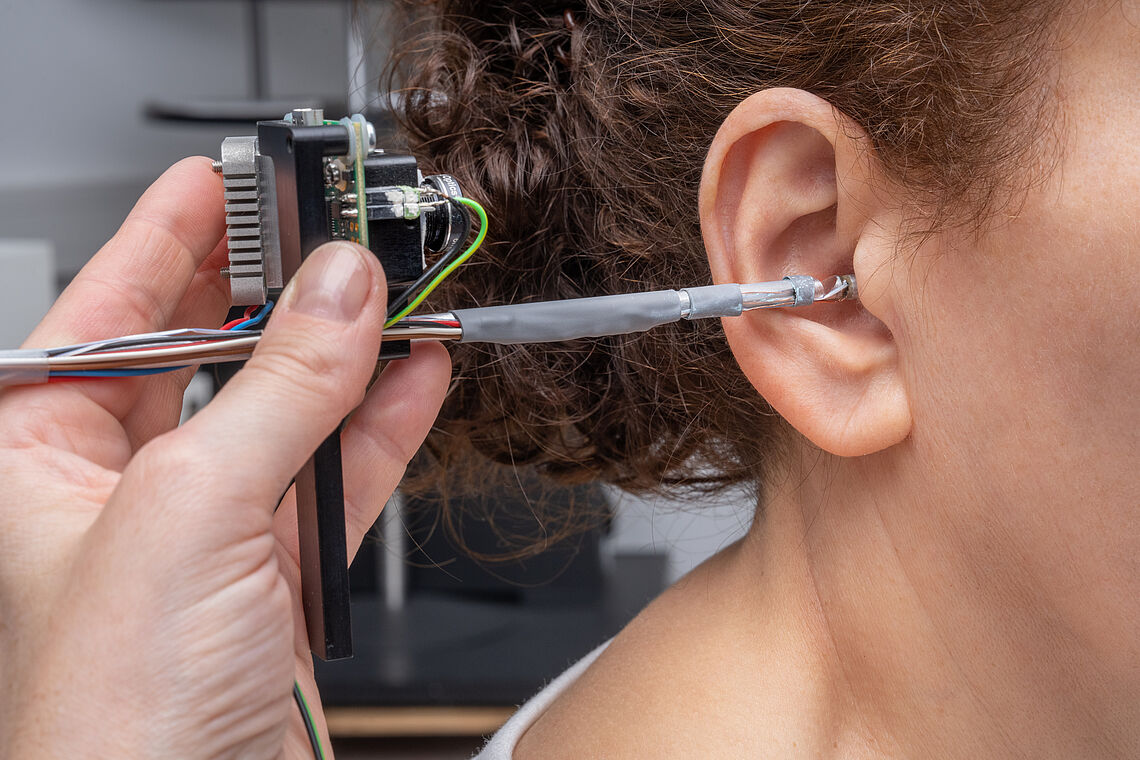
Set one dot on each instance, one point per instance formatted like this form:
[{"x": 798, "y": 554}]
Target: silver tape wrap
[
  {"x": 804, "y": 289},
  {"x": 551, "y": 321},
  {"x": 714, "y": 301},
  {"x": 23, "y": 367}
]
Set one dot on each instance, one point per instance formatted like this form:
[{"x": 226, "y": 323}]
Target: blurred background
[{"x": 102, "y": 95}]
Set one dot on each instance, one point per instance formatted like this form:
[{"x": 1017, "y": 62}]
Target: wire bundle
[
  {"x": 157, "y": 352},
  {"x": 407, "y": 302},
  {"x": 310, "y": 724}
]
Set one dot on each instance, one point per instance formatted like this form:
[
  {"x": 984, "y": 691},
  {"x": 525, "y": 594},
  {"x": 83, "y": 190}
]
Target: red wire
[
  {"x": 235, "y": 322},
  {"x": 227, "y": 326}
]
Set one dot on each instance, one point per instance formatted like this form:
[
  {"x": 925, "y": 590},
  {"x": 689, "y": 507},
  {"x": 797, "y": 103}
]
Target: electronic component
[
  {"x": 305, "y": 180},
  {"x": 300, "y": 182}
]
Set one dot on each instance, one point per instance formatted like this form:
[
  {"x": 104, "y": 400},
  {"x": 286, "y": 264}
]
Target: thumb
[{"x": 309, "y": 370}]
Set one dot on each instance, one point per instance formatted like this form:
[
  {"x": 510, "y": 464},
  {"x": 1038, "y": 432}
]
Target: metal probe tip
[
  {"x": 841, "y": 287},
  {"x": 797, "y": 290}
]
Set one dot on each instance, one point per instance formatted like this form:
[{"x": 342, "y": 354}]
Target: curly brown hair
[{"x": 582, "y": 126}]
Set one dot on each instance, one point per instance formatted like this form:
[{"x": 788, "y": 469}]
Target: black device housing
[
  {"x": 400, "y": 240},
  {"x": 298, "y": 154}
]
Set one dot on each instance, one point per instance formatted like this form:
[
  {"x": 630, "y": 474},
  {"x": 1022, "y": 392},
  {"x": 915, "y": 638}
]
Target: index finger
[{"x": 137, "y": 279}]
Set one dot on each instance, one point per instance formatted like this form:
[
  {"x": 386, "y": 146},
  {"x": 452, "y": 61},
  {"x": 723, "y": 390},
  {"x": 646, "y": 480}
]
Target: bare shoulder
[{"x": 672, "y": 684}]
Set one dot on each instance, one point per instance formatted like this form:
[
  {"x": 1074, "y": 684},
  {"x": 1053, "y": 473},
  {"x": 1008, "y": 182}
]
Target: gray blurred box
[{"x": 27, "y": 287}]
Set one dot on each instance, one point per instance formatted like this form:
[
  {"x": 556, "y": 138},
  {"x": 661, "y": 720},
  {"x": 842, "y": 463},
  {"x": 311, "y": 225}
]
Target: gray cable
[
  {"x": 542, "y": 322},
  {"x": 551, "y": 321}
]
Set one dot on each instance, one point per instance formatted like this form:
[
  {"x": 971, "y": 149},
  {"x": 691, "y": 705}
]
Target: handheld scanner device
[{"x": 299, "y": 182}]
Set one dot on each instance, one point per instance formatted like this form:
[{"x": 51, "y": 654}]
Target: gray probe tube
[{"x": 551, "y": 321}]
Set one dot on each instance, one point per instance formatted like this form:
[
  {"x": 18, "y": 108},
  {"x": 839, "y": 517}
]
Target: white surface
[
  {"x": 503, "y": 743},
  {"x": 27, "y": 287},
  {"x": 198, "y": 394},
  {"x": 688, "y": 530}
]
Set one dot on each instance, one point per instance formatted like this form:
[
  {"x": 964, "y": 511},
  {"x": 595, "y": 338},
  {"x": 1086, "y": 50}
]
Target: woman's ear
[{"x": 791, "y": 186}]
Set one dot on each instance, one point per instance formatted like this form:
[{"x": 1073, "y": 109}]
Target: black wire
[
  {"x": 429, "y": 274},
  {"x": 400, "y": 301},
  {"x": 314, "y": 742},
  {"x": 410, "y": 322}
]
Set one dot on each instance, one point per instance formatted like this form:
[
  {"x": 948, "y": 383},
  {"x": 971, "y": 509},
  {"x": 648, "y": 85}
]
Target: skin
[
  {"x": 947, "y": 562},
  {"x": 149, "y": 599},
  {"x": 946, "y": 565}
]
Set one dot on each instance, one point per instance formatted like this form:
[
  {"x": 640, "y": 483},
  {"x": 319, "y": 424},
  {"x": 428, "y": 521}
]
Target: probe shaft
[
  {"x": 541, "y": 322},
  {"x": 550, "y": 321}
]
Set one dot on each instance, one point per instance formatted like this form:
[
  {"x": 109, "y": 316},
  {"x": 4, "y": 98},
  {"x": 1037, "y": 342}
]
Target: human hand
[{"x": 149, "y": 595}]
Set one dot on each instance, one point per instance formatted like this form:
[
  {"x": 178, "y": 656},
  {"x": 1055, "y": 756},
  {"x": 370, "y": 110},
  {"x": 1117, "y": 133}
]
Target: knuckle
[
  {"x": 174, "y": 462},
  {"x": 392, "y": 451},
  {"x": 303, "y": 364},
  {"x": 140, "y": 304}
]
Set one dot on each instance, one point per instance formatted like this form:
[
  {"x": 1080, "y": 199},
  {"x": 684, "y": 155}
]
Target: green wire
[
  {"x": 482, "y": 214},
  {"x": 310, "y": 724},
  {"x": 359, "y": 187}
]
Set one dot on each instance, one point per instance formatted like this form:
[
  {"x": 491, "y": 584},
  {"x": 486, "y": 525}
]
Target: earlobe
[{"x": 789, "y": 188}]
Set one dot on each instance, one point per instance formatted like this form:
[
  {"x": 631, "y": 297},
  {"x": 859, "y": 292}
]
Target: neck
[{"x": 934, "y": 627}]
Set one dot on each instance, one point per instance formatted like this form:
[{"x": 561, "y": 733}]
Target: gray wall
[
  {"x": 74, "y": 78},
  {"x": 688, "y": 531}
]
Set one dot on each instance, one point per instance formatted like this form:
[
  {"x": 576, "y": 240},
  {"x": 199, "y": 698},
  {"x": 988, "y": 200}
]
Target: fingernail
[{"x": 333, "y": 283}]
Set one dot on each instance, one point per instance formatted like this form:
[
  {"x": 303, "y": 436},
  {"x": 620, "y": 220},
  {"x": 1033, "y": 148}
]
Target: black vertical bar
[
  {"x": 303, "y": 224},
  {"x": 324, "y": 556}
]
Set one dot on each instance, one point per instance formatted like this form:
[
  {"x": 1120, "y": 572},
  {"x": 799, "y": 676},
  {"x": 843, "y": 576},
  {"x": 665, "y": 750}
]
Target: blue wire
[
  {"x": 142, "y": 372},
  {"x": 256, "y": 318}
]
